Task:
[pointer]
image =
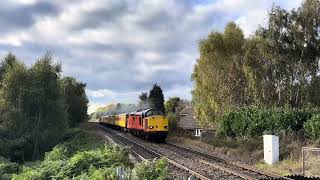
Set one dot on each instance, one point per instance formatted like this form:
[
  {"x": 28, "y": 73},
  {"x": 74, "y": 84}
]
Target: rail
[{"x": 157, "y": 155}]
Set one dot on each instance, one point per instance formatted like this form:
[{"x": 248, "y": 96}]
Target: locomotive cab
[{"x": 155, "y": 123}]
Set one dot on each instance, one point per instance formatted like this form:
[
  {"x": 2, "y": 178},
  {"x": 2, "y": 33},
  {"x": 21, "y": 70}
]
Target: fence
[{"x": 311, "y": 161}]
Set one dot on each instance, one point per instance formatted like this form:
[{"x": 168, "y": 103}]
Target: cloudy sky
[{"x": 122, "y": 47}]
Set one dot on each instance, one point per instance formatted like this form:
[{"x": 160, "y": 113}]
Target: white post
[{"x": 271, "y": 148}]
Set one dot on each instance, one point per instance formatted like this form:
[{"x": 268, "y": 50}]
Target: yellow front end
[
  {"x": 157, "y": 123},
  {"x": 120, "y": 120}
]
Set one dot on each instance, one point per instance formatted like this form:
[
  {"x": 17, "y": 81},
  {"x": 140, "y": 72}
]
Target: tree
[
  {"x": 156, "y": 98},
  {"x": 292, "y": 45},
  {"x": 172, "y": 104},
  {"x": 143, "y": 101},
  {"x": 8, "y": 62},
  {"x": 278, "y": 66},
  {"x": 220, "y": 83},
  {"x": 13, "y": 119},
  {"x": 75, "y": 99},
  {"x": 33, "y": 115},
  {"x": 45, "y": 106}
]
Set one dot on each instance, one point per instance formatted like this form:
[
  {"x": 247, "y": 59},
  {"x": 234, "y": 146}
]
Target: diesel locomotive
[{"x": 150, "y": 124}]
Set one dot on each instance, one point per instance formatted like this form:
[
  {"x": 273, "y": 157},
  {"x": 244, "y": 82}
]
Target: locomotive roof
[{"x": 139, "y": 112}]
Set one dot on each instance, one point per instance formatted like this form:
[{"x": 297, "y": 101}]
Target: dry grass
[
  {"x": 250, "y": 151},
  {"x": 241, "y": 151},
  {"x": 284, "y": 167}
]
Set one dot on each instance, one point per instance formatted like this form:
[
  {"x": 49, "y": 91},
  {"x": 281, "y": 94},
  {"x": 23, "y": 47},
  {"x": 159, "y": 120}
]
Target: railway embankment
[{"x": 202, "y": 165}]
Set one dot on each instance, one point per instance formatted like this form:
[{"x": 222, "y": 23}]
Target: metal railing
[{"x": 310, "y": 161}]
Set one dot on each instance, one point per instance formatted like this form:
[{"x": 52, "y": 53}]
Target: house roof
[{"x": 188, "y": 120}]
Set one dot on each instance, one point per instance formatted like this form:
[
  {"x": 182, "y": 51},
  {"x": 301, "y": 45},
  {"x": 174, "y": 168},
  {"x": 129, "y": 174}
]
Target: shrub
[
  {"x": 151, "y": 170},
  {"x": 100, "y": 158},
  {"x": 173, "y": 121},
  {"x": 81, "y": 156},
  {"x": 8, "y": 168},
  {"x": 312, "y": 127},
  {"x": 255, "y": 121}
]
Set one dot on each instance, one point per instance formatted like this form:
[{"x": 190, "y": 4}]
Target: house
[{"x": 189, "y": 123}]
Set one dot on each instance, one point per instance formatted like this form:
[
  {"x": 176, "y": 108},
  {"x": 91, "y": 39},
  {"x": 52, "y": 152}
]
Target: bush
[
  {"x": 312, "y": 127},
  {"x": 150, "y": 170},
  {"x": 8, "y": 168},
  {"x": 81, "y": 156},
  {"x": 256, "y": 121},
  {"x": 173, "y": 121}
]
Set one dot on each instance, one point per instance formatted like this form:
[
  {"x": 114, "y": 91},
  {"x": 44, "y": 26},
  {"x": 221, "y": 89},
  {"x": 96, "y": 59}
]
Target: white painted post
[{"x": 271, "y": 148}]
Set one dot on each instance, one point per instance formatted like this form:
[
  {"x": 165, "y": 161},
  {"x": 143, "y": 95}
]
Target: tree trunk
[{"x": 35, "y": 147}]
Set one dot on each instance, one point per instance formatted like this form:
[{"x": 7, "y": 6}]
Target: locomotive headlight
[
  {"x": 150, "y": 127},
  {"x": 166, "y": 127}
]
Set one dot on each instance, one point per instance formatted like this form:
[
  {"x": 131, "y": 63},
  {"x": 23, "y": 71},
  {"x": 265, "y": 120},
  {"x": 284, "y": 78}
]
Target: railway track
[
  {"x": 237, "y": 169},
  {"x": 146, "y": 153},
  {"x": 190, "y": 161}
]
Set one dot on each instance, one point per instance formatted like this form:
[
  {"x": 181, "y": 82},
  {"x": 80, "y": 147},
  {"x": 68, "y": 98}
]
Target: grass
[
  {"x": 283, "y": 168},
  {"x": 250, "y": 151}
]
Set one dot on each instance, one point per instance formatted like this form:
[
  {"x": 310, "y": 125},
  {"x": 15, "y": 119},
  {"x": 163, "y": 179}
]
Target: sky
[{"x": 120, "y": 48}]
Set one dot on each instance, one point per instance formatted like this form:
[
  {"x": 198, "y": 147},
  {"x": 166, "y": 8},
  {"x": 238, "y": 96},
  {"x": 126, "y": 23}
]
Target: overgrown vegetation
[
  {"x": 266, "y": 83},
  {"x": 36, "y": 107},
  {"x": 83, "y": 155},
  {"x": 277, "y": 66},
  {"x": 151, "y": 170}
]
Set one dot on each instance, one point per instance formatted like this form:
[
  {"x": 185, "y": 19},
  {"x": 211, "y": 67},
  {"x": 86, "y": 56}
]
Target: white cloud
[{"x": 122, "y": 47}]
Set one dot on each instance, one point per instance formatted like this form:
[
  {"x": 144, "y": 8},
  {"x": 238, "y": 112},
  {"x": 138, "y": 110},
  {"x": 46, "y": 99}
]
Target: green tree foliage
[
  {"x": 156, "y": 98},
  {"x": 8, "y": 62},
  {"x": 312, "y": 127},
  {"x": 219, "y": 80},
  {"x": 33, "y": 108},
  {"x": 278, "y": 66},
  {"x": 255, "y": 121},
  {"x": 76, "y": 100},
  {"x": 172, "y": 104}
]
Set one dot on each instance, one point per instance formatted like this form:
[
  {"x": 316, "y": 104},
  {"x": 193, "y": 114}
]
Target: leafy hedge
[
  {"x": 312, "y": 127},
  {"x": 256, "y": 121}
]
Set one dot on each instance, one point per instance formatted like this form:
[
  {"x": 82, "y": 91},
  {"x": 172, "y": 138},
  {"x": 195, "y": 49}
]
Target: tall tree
[
  {"x": 33, "y": 109},
  {"x": 278, "y": 66},
  {"x": 45, "y": 108},
  {"x": 156, "y": 98},
  {"x": 75, "y": 99},
  {"x": 219, "y": 80}
]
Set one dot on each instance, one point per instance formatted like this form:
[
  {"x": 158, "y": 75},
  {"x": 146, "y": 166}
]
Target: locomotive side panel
[{"x": 120, "y": 120}]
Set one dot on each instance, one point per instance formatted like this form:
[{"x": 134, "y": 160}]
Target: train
[{"x": 150, "y": 124}]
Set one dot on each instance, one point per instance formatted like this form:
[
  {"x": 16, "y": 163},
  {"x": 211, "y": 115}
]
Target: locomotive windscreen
[{"x": 153, "y": 112}]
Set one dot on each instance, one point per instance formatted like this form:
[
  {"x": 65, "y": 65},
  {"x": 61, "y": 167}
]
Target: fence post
[{"x": 302, "y": 161}]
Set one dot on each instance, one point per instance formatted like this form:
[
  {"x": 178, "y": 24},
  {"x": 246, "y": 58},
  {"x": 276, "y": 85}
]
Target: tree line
[
  {"x": 277, "y": 66},
  {"x": 37, "y": 106}
]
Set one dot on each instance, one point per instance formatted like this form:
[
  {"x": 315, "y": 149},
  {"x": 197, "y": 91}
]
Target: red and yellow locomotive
[{"x": 149, "y": 123}]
